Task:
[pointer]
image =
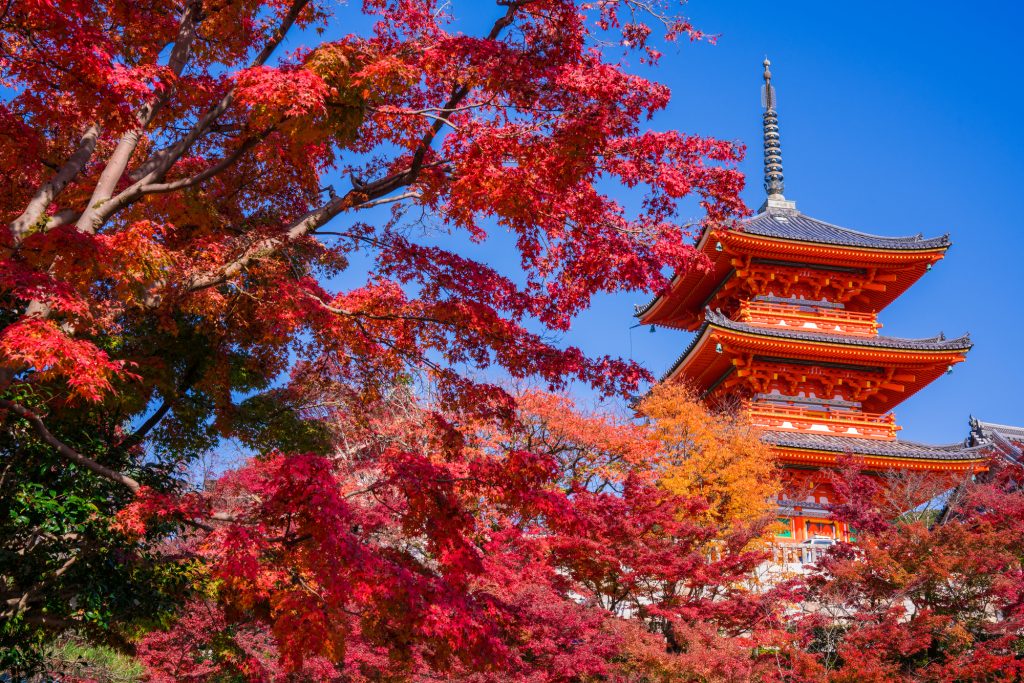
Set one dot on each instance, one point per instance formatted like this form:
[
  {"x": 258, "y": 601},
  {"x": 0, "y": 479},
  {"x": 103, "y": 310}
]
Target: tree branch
[
  {"x": 66, "y": 451},
  {"x": 361, "y": 195},
  {"x": 308, "y": 223},
  {"x": 20, "y": 604},
  {"x": 45, "y": 195},
  {"x": 208, "y": 173},
  {"x": 139, "y": 434},
  {"x": 159, "y": 163},
  {"x": 118, "y": 162},
  {"x": 459, "y": 93}
]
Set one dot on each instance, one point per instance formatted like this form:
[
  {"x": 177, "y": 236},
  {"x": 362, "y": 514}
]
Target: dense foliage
[
  {"x": 922, "y": 597},
  {"x": 183, "y": 193},
  {"x": 185, "y": 201},
  {"x": 720, "y": 460}
]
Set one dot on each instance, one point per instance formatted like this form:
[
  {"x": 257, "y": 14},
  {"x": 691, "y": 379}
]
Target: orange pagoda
[{"x": 786, "y": 321}]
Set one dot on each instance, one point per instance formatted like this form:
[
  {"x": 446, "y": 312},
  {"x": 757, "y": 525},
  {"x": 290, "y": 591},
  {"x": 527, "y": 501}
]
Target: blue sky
[
  {"x": 896, "y": 121},
  {"x": 893, "y": 121}
]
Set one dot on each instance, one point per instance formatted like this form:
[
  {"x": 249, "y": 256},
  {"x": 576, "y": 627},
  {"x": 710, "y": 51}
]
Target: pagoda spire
[{"x": 773, "y": 181}]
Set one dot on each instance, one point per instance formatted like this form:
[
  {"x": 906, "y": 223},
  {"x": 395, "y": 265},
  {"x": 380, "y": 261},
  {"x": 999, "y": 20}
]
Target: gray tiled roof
[
  {"x": 855, "y": 446},
  {"x": 788, "y": 505},
  {"x": 1005, "y": 439},
  {"x": 986, "y": 430},
  {"x": 793, "y": 225},
  {"x": 936, "y": 343}
]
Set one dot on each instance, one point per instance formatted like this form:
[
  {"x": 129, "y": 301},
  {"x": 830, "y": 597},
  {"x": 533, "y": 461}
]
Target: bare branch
[
  {"x": 412, "y": 194},
  {"x": 139, "y": 434},
  {"x": 62, "y": 217}
]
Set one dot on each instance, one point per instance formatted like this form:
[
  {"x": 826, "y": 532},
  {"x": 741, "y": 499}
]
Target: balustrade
[
  {"x": 830, "y": 422},
  {"x": 817, "y": 320},
  {"x": 796, "y": 554}
]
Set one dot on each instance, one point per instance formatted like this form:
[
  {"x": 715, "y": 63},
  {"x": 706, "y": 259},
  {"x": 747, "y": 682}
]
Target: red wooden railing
[
  {"x": 831, "y": 422},
  {"x": 817, "y": 320}
]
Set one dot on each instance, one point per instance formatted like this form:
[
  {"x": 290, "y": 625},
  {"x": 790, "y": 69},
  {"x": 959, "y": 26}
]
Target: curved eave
[
  {"x": 796, "y": 226},
  {"x": 704, "y": 367},
  {"x": 766, "y": 245},
  {"x": 825, "y": 458},
  {"x": 647, "y": 314},
  {"x": 937, "y": 344},
  {"x": 907, "y": 265},
  {"x": 690, "y": 292},
  {"x": 662, "y": 309},
  {"x": 852, "y": 348}
]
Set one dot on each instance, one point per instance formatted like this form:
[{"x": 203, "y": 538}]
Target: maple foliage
[
  {"x": 213, "y": 243},
  {"x": 717, "y": 457},
  {"x": 920, "y": 597},
  {"x": 188, "y": 202},
  {"x": 467, "y": 557}
]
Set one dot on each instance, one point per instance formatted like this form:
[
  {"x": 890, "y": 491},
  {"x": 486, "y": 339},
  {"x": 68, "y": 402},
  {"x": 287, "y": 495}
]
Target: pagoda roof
[
  {"x": 936, "y": 343},
  {"x": 788, "y": 236},
  {"x": 873, "y": 447},
  {"x": 790, "y": 224},
  {"x": 711, "y": 357},
  {"x": 717, "y": 319},
  {"x": 788, "y": 506}
]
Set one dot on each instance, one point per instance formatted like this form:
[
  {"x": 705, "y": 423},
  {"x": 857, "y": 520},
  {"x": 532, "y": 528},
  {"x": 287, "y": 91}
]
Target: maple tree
[
  {"x": 467, "y": 558},
  {"x": 186, "y": 203},
  {"x": 717, "y": 457},
  {"x": 183, "y": 194},
  {"x": 918, "y": 597}
]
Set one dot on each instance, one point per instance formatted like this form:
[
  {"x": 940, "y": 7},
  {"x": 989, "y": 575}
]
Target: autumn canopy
[{"x": 228, "y": 233}]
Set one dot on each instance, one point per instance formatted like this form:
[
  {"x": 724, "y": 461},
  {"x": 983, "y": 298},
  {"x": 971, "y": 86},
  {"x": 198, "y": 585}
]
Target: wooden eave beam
[
  {"x": 749, "y": 243},
  {"x": 813, "y": 457}
]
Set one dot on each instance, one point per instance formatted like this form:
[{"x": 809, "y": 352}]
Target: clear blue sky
[{"x": 894, "y": 119}]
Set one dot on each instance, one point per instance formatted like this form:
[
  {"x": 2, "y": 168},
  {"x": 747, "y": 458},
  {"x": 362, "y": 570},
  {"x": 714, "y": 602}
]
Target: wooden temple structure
[
  {"x": 1001, "y": 441},
  {"x": 786, "y": 323}
]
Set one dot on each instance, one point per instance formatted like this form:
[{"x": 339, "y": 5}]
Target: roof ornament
[{"x": 773, "y": 181}]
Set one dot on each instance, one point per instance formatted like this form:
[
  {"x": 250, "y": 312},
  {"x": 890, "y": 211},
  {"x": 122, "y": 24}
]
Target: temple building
[
  {"x": 1002, "y": 441},
  {"x": 786, "y": 325}
]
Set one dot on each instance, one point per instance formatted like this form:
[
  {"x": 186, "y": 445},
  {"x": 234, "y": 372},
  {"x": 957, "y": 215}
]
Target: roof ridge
[
  {"x": 861, "y": 446},
  {"x": 719, "y": 318},
  {"x": 801, "y": 227},
  {"x": 956, "y": 445},
  {"x": 999, "y": 424},
  {"x": 919, "y": 237}
]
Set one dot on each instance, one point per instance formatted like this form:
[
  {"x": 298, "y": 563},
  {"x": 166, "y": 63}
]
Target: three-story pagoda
[{"x": 786, "y": 320}]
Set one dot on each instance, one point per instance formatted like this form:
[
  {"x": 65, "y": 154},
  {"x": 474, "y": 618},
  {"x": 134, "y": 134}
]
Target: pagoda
[{"x": 786, "y": 325}]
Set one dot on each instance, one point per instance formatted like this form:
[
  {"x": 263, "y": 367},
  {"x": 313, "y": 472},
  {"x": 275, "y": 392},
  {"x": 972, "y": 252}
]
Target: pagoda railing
[
  {"x": 820, "y": 319},
  {"x": 796, "y": 554},
  {"x": 831, "y": 422},
  {"x": 782, "y": 553}
]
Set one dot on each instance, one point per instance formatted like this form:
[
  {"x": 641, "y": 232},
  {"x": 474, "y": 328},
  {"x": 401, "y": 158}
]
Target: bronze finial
[{"x": 773, "y": 182}]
